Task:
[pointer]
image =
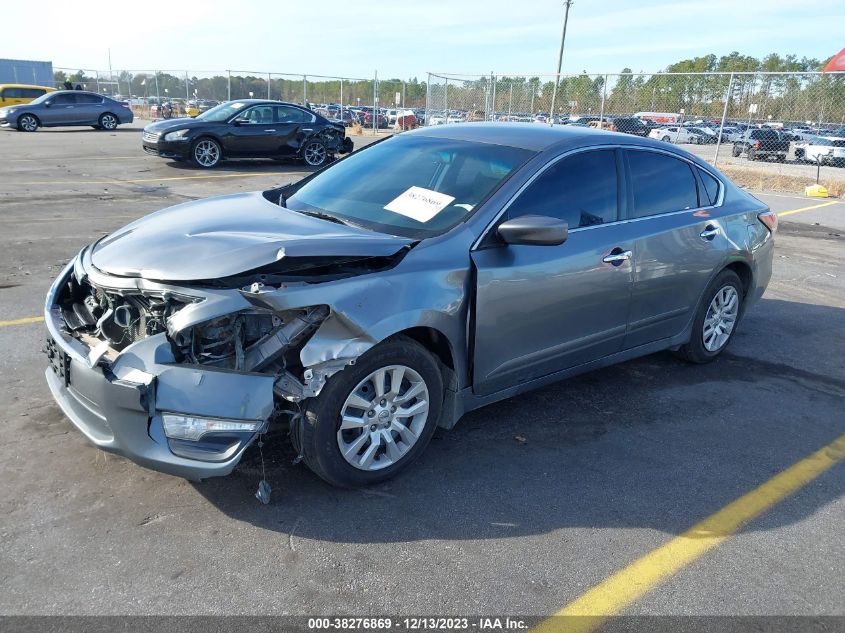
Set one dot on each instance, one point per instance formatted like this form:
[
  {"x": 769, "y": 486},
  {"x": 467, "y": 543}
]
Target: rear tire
[
  {"x": 315, "y": 153},
  {"x": 367, "y": 427},
  {"x": 27, "y": 123},
  {"x": 108, "y": 121},
  {"x": 717, "y": 318}
]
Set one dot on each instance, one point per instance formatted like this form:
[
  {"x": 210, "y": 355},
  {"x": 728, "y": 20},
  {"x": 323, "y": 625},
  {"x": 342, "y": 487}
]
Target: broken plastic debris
[{"x": 263, "y": 492}]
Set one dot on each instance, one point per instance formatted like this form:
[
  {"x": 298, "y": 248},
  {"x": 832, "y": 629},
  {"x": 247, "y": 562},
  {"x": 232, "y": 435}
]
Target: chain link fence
[
  {"x": 147, "y": 89},
  {"x": 716, "y": 115}
]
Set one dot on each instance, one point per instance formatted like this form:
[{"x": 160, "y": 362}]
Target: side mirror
[
  {"x": 240, "y": 121},
  {"x": 534, "y": 230},
  {"x": 47, "y": 104}
]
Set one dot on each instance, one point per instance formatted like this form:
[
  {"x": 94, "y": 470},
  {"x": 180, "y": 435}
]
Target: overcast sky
[{"x": 403, "y": 39}]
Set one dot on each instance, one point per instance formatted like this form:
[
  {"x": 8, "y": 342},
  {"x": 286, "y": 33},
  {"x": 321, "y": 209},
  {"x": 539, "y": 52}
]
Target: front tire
[
  {"x": 27, "y": 123},
  {"x": 716, "y": 320},
  {"x": 206, "y": 153},
  {"x": 374, "y": 418},
  {"x": 666, "y": 139},
  {"x": 108, "y": 121}
]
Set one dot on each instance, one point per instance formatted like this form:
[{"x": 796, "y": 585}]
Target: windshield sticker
[{"x": 419, "y": 204}]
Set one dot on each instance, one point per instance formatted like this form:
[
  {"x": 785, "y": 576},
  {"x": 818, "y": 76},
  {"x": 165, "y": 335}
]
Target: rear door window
[{"x": 660, "y": 184}]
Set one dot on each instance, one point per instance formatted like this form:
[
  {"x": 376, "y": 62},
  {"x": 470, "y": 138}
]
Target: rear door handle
[
  {"x": 269, "y": 130},
  {"x": 710, "y": 232},
  {"x": 617, "y": 256}
]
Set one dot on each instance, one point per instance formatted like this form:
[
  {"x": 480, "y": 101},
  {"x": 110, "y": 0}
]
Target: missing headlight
[{"x": 249, "y": 341}]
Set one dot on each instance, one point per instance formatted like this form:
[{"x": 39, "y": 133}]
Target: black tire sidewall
[
  {"x": 322, "y": 414},
  {"x": 694, "y": 350}
]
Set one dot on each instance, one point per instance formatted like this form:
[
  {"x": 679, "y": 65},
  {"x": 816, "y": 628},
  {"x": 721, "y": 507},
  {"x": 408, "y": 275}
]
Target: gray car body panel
[
  {"x": 57, "y": 114},
  {"x": 514, "y": 317}
]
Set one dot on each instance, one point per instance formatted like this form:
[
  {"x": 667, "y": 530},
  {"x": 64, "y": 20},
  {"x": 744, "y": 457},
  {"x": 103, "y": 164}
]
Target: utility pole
[{"x": 567, "y": 3}]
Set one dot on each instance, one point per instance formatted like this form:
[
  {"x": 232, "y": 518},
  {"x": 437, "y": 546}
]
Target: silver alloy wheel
[
  {"x": 108, "y": 121},
  {"x": 383, "y": 417},
  {"x": 315, "y": 154},
  {"x": 28, "y": 123},
  {"x": 207, "y": 153},
  {"x": 720, "y": 319}
]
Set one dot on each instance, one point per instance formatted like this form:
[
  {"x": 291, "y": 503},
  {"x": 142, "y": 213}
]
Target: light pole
[{"x": 567, "y": 3}]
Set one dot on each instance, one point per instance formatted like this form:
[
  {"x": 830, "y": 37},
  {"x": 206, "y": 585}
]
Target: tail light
[{"x": 770, "y": 219}]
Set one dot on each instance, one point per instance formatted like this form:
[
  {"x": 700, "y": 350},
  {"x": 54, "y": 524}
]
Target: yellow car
[{"x": 16, "y": 94}]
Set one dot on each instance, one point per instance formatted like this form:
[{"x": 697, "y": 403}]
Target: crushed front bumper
[{"x": 119, "y": 405}]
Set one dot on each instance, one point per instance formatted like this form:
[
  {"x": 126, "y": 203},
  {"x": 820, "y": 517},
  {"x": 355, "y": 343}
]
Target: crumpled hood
[{"x": 227, "y": 235}]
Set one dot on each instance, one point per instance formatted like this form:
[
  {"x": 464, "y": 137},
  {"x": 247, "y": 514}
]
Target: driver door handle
[
  {"x": 710, "y": 232},
  {"x": 617, "y": 257},
  {"x": 269, "y": 130}
]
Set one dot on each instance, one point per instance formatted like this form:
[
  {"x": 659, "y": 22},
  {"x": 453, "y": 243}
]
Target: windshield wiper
[{"x": 325, "y": 216}]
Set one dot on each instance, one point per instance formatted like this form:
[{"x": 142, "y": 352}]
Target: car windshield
[
  {"x": 413, "y": 186},
  {"x": 222, "y": 112}
]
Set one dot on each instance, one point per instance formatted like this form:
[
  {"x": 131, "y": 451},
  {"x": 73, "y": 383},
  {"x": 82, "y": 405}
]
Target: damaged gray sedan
[{"x": 422, "y": 277}]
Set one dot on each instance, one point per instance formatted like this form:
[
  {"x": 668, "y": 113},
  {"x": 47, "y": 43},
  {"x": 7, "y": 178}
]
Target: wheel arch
[{"x": 744, "y": 272}]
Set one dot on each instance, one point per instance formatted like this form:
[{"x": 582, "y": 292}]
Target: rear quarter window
[{"x": 710, "y": 194}]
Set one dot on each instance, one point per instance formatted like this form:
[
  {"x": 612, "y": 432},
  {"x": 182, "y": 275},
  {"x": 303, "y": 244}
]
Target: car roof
[{"x": 536, "y": 137}]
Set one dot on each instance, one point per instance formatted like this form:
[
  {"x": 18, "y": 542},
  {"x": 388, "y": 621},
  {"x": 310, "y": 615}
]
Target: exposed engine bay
[
  {"x": 119, "y": 318},
  {"x": 246, "y": 341}
]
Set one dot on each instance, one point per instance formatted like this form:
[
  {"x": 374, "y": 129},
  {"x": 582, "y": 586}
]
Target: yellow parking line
[
  {"x": 814, "y": 206},
  {"x": 587, "y": 612},
  {"x": 23, "y": 321},
  {"x": 134, "y": 180}
]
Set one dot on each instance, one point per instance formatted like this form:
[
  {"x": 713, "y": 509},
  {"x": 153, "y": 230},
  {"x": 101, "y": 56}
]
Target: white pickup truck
[{"x": 827, "y": 150}]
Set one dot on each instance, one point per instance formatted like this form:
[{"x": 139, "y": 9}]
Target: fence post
[
  {"x": 97, "y": 77},
  {"x": 493, "y": 100},
  {"x": 158, "y": 93},
  {"x": 187, "y": 87},
  {"x": 228, "y": 85},
  {"x": 268, "y": 86},
  {"x": 341, "y": 98},
  {"x": 304, "y": 90},
  {"x": 724, "y": 116},
  {"x": 427, "y": 97},
  {"x": 375, "y": 103},
  {"x": 510, "y": 103},
  {"x": 446, "y": 102}
]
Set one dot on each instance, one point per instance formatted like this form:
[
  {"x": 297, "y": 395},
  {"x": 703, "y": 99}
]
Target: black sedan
[{"x": 249, "y": 128}]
